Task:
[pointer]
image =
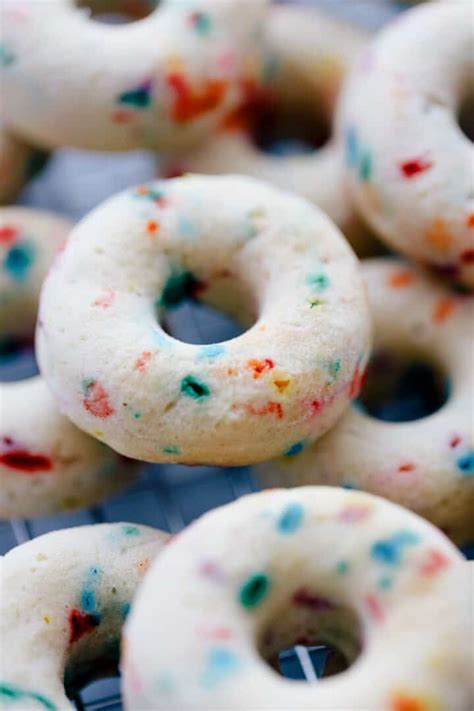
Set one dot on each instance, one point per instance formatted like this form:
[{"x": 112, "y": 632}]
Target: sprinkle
[
  {"x": 24, "y": 461},
  {"x": 81, "y": 624},
  {"x": 400, "y": 278},
  {"x": 179, "y": 286},
  {"x": 315, "y": 302},
  {"x": 8, "y": 234},
  {"x": 130, "y": 530},
  {"x": 211, "y": 351},
  {"x": 171, "y": 449},
  {"x": 433, "y": 562},
  {"x": 470, "y": 220},
  {"x": 319, "y": 281},
  {"x": 374, "y": 607},
  {"x": 353, "y": 513},
  {"x": 454, "y": 441},
  {"x": 139, "y": 97},
  {"x": 403, "y": 702},
  {"x": 189, "y": 103},
  {"x": 106, "y": 299},
  {"x": 254, "y": 590},
  {"x": 342, "y": 567},
  {"x": 466, "y": 463},
  {"x": 294, "y": 449},
  {"x": 389, "y": 551},
  {"x": 19, "y": 259},
  {"x": 125, "y": 610},
  {"x": 281, "y": 385},
  {"x": 443, "y": 308},
  {"x": 7, "y": 56},
  {"x": 221, "y": 662},
  {"x": 10, "y": 692},
  {"x": 152, "y": 227},
  {"x": 406, "y": 467},
  {"x": 365, "y": 167},
  {"x": 414, "y": 166},
  {"x": 291, "y": 518},
  {"x": 200, "y": 22},
  {"x": 259, "y": 367},
  {"x": 438, "y": 235},
  {"x": 194, "y": 388},
  {"x": 96, "y": 400},
  {"x": 142, "y": 361}
]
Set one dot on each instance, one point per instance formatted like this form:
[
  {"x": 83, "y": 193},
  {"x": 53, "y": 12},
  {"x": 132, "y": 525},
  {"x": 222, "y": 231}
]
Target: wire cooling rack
[{"x": 168, "y": 496}]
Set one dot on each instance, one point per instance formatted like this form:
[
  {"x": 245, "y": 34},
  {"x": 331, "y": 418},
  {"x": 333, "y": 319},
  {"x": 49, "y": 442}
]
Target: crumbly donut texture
[
  {"x": 46, "y": 463},
  {"x": 426, "y": 465},
  {"x": 408, "y": 163},
  {"x": 307, "y": 54},
  {"x": 161, "y": 82},
  {"x": 29, "y": 241},
  {"x": 316, "y": 563},
  {"x": 268, "y": 258},
  {"x": 64, "y": 598}
]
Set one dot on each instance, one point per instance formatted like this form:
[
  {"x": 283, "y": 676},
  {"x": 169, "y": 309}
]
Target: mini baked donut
[
  {"x": 29, "y": 240},
  {"x": 46, "y": 463},
  {"x": 408, "y": 163},
  {"x": 64, "y": 598},
  {"x": 427, "y": 464},
  {"x": 268, "y": 258},
  {"x": 308, "y": 54},
  {"x": 317, "y": 564},
  {"x": 161, "y": 82}
]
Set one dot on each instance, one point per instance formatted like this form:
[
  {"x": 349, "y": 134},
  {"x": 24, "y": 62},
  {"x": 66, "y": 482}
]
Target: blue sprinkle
[
  {"x": 214, "y": 350},
  {"x": 291, "y": 518},
  {"x": 466, "y": 464},
  {"x": 161, "y": 339},
  {"x": 294, "y": 449},
  {"x": 390, "y": 550},
  {"x": 186, "y": 227},
  {"x": 348, "y": 485},
  {"x": 125, "y": 610},
  {"x": 88, "y": 601},
  {"x": 221, "y": 663},
  {"x": 351, "y": 147},
  {"x": 18, "y": 260}
]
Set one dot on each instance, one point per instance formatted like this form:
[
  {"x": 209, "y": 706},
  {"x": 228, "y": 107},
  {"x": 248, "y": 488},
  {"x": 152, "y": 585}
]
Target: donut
[
  {"x": 266, "y": 257},
  {"x": 308, "y": 54},
  {"x": 426, "y": 465},
  {"x": 46, "y": 463},
  {"x": 408, "y": 163},
  {"x": 161, "y": 82},
  {"x": 64, "y": 598},
  {"x": 15, "y": 164},
  {"x": 313, "y": 565}
]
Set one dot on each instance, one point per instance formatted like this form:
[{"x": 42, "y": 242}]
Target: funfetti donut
[
  {"x": 408, "y": 161},
  {"x": 308, "y": 53},
  {"x": 323, "y": 565},
  {"x": 268, "y": 258},
  {"x": 64, "y": 598},
  {"x": 46, "y": 463},
  {"x": 161, "y": 82},
  {"x": 426, "y": 464}
]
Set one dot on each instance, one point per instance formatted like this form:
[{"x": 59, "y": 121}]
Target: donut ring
[
  {"x": 46, "y": 464},
  {"x": 409, "y": 166},
  {"x": 309, "y": 53},
  {"x": 161, "y": 83},
  {"x": 426, "y": 465},
  {"x": 266, "y": 257},
  {"x": 321, "y": 563},
  {"x": 64, "y": 598}
]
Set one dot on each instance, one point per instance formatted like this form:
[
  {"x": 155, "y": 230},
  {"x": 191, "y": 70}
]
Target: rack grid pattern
[{"x": 167, "y": 497}]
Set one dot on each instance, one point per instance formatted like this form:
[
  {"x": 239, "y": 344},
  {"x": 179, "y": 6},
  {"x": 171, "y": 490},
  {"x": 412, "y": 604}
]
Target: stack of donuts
[{"x": 315, "y": 184}]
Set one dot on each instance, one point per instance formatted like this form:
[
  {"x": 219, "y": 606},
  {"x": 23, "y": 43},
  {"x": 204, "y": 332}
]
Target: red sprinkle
[
  {"x": 470, "y": 220},
  {"x": 24, "y": 461},
  {"x": 8, "y": 234},
  {"x": 434, "y": 562},
  {"x": 406, "y": 467},
  {"x": 357, "y": 382},
  {"x": 97, "y": 401},
  {"x": 259, "y": 367},
  {"x": 121, "y": 116},
  {"x": 455, "y": 440},
  {"x": 188, "y": 102},
  {"x": 80, "y": 624},
  {"x": 142, "y": 361},
  {"x": 410, "y": 168}
]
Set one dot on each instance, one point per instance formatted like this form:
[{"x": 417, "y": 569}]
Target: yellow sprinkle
[{"x": 46, "y": 619}]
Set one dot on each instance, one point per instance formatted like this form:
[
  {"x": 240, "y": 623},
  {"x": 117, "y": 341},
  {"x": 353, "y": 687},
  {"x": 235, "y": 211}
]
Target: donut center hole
[
  {"x": 400, "y": 389},
  {"x": 313, "y": 637},
  {"x": 116, "y": 12},
  {"x": 183, "y": 313},
  {"x": 17, "y": 359},
  {"x": 86, "y": 682},
  {"x": 466, "y": 117},
  {"x": 281, "y": 128}
]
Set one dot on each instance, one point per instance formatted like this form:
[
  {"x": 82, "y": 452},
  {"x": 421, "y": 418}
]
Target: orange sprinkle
[
  {"x": 438, "y": 234},
  {"x": 406, "y": 467},
  {"x": 259, "y": 367},
  {"x": 444, "y": 307},
  {"x": 142, "y": 361},
  {"x": 189, "y": 103},
  {"x": 152, "y": 227},
  {"x": 402, "y": 702},
  {"x": 400, "y": 278},
  {"x": 143, "y": 565},
  {"x": 281, "y": 385},
  {"x": 121, "y": 116},
  {"x": 470, "y": 220}
]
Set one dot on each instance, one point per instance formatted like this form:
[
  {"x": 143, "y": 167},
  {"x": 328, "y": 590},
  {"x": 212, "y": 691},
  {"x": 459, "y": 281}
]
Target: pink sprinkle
[
  {"x": 105, "y": 300},
  {"x": 354, "y": 513},
  {"x": 143, "y": 361},
  {"x": 374, "y": 608}
]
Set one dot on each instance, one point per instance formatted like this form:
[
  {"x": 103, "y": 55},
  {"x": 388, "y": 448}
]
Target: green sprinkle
[
  {"x": 180, "y": 286},
  {"x": 172, "y": 449},
  {"x": 334, "y": 367},
  {"x": 192, "y": 387},
  {"x": 7, "y": 56},
  {"x": 365, "y": 167},
  {"x": 254, "y": 590},
  {"x": 131, "y": 530},
  {"x": 10, "y": 692},
  {"x": 342, "y": 567},
  {"x": 319, "y": 281}
]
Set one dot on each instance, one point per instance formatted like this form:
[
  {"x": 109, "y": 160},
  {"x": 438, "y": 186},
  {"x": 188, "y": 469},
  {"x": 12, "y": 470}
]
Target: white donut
[
  {"x": 266, "y": 257},
  {"x": 426, "y": 465},
  {"x": 46, "y": 463},
  {"x": 161, "y": 83},
  {"x": 409, "y": 165},
  {"x": 64, "y": 598},
  {"x": 308, "y": 54},
  {"x": 342, "y": 568}
]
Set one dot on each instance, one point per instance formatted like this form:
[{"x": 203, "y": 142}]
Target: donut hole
[
  {"x": 466, "y": 116},
  {"x": 86, "y": 678},
  {"x": 17, "y": 359},
  {"x": 118, "y": 11},
  {"x": 402, "y": 389},
  {"x": 312, "y": 637},
  {"x": 200, "y": 324},
  {"x": 280, "y": 128},
  {"x": 100, "y": 694}
]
